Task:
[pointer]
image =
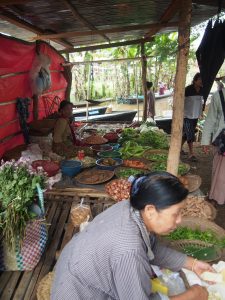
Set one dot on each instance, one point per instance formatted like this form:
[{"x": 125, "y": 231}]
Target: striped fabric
[{"x": 110, "y": 259}]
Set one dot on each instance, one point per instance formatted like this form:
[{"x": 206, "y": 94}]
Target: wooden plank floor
[{"x": 23, "y": 285}]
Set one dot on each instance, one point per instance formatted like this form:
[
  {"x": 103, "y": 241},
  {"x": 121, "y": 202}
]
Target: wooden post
[
  {"x": 178, "y": 99},
  {"x": 69, "y": 76},
  {"x": 144, "y": 76},
  {"x": 136, "y": 90}
]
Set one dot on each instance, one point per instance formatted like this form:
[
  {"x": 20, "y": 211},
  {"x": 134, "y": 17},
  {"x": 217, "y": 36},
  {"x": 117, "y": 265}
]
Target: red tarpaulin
[{"x": 16, "y": 61}]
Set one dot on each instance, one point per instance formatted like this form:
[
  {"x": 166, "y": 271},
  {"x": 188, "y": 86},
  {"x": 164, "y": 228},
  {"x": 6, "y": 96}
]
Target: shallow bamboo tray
[
  {"x": 202, "y": 224},
  {"x": 194, "y": 182},
  {"x": 210, "y": 206},
  {"x": 178, "y": 245}
]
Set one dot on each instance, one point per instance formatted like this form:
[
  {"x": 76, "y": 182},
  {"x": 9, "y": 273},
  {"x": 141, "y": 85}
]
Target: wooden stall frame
[{"x": 178, "y": 99}]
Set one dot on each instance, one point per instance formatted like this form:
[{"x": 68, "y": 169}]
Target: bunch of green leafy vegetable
[
  {"x": 18, "y": 184},
  {"x": 128, "y": 134},
  {"x": 156, "y": 157},
  {"x": 185, "y": 233},
  {"x": 131, "y": 149},
  {"x": 153, "y": 138},
  {"x": 127, "y": 172},
  {"x": 162, "y": 166}
]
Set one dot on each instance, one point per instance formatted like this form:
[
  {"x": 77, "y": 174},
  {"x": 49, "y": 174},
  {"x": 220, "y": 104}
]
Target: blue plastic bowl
[
  {"x": 70, "y": 167},
  {"x": 115, "y": 146},
  {"x": 109, "y": 168}
]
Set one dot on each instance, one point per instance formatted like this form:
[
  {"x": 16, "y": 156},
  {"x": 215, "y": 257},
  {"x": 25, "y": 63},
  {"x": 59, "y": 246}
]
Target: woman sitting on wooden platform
[{"x": 64, "y": 139}]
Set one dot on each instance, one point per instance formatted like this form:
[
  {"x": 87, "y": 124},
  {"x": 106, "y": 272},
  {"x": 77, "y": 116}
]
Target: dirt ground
[{"x": 203, "y": 168}]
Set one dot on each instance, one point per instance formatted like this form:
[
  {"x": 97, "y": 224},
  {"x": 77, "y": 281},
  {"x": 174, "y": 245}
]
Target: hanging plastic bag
[{"x": 40, "y": 76}]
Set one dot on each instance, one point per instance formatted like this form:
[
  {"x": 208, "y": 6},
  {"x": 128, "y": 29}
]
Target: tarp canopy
[
  {"x": 211, "y": 54},
  {"x": 16, "y": 61}
]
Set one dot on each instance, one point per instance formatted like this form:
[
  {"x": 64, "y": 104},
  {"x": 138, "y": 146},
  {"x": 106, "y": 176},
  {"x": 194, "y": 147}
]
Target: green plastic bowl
[{"x": 107, "y": 154}]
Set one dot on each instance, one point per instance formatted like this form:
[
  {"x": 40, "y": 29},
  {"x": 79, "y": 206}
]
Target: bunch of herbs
[{"x": 18, "y": 188}]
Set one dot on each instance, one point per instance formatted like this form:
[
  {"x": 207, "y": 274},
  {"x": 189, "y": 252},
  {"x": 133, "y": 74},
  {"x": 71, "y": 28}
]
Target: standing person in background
[
  {"x": 193, "y": 105},
  {"x": 150, "y": 100},
  {"x": 214, "y": 124}
]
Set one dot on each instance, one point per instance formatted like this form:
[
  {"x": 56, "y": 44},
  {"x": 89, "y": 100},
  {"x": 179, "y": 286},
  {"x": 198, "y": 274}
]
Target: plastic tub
[
  {"x": 70, "y": 167},
  {"x": 118, "y": 161}
]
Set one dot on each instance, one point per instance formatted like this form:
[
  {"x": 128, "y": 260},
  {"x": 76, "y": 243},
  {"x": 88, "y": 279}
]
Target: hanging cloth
[
  {"x": 22, "y": 107},
  {"x": 211, "y": 53}
]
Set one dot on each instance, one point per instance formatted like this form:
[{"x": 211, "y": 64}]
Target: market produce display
[
  {"x": 157, "y": 157},
  {"x": 111, "y": 136},
  {"x": 128, "y": 134},
  {"x": 198, "y": 207},
  {"x": 149, "y": 137},
  {"x": 132, "y": 149},
  {"x": 124, "y": 172},
  {"x": 161, "y": 166},
  {"x": 118, "y": 189},
  {"x": 135, "y": 163},
  {"x": 94, "y": 176},
  {"x": 87, "y": 161},
  {"x": 95, "y": 140},
  {"x": 109, "y": 162},
  {"x": 207, "y": 236}
]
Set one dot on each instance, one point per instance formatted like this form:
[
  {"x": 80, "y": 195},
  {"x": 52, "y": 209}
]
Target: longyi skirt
[{"x": 217, "y": 191}]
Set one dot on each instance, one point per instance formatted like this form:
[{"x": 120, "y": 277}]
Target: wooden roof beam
[
  {"x": 155, "y": 26},
  {"x": 25, "y": 25},
  {"x": 13, "y": 2},
  {"x": 105, "y": 46},
  {"x": 78, "y": 16},
  {"x": 169, "y": 13}
]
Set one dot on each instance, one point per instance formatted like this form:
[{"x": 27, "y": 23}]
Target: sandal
[{"x": 193, "y": 158}]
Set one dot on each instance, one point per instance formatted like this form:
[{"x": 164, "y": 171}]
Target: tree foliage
[{"x": 121, "y": 79}]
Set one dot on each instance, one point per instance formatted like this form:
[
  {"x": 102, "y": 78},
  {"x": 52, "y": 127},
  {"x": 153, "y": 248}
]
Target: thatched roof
[{"x": 74, "y": 23}]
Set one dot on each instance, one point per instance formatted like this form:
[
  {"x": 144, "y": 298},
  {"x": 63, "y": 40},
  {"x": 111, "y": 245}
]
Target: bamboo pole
[
  {"x": 144, "y": 77},
  {"x": 136, "y": 90},
  {"x": 70, "y": 34},
  {"x": 88, "y": 92},
  {"x": 178, "y": 100},
  {"x": 115, "y": 60}
]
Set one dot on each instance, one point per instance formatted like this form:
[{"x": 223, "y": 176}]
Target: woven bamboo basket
[
  {"x": 44, "y": 287},
  {"x": 179, "y": 245},
  {"x": 198, "y": 211},
  {"x": 194, "y": 182},
  {"x": 202, "y": 224}
]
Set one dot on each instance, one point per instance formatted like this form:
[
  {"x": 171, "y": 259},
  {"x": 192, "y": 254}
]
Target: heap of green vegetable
[
  {"x": 208, "y": 253},
  {"x": 152, "y": 138},
  {"x": 127, "y": 172},
  {"x": 185, "y": 233},
  {"x": 18, "y": 188},
  {"x": 132, "y": 149},
  {"x": 156, "y": 157},
  {"x": 162, "y": 165}
]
